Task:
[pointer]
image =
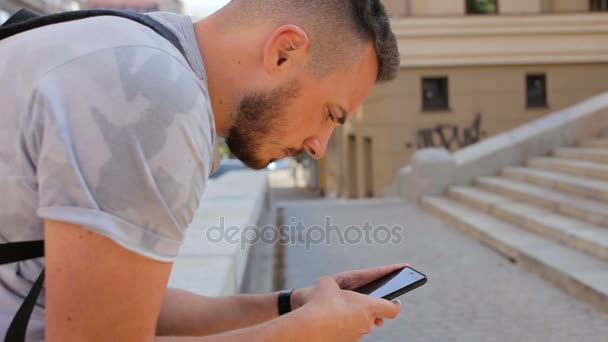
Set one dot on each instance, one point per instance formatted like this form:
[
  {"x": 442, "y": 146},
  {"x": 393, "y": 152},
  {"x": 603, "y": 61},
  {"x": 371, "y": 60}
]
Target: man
[{"x": 109, "y": 134}]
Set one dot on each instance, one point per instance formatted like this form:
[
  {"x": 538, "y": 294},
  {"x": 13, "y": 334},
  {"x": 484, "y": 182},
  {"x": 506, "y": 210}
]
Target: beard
[{"x": 259, "y": 115}]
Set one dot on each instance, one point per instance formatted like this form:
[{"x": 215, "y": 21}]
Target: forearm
[
  {"x": 299, "y": 326},
  {"x": 187, "y": 314}
]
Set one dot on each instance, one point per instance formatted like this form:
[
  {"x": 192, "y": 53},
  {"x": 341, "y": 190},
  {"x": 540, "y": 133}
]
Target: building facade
[
  {"x": 470, "y": 69},
  {"x": 143, "y": 6},
  {"x": 38, "y": 6},
  {"x": 8, "y": 7}
]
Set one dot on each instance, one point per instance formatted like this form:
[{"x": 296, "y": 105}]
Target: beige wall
[
  {"x": 520, "y": 6},
  {"x": 502, "y": 39},
  {"x": 397, "y": 8},
  {"x": 436, "y": 7},
  {"x": 393, "y": 116},
  {"x": 400, "y": 8},
  {"x": 568, "y": 5}
]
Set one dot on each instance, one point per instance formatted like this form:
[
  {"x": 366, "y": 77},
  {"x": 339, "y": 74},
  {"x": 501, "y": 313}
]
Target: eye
[{"x": 331, "y": 116}]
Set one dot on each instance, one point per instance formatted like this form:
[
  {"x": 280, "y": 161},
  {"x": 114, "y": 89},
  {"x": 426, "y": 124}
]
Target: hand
[
  {"x": 343, "y": 315},
  {"x": 349, "y": 280}
]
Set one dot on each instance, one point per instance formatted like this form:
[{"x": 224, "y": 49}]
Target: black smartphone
[{"x": 394, "y": 284}]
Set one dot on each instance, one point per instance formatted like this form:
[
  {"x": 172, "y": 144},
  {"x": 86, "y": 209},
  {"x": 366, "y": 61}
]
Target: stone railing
[
  {"x": 432, "y": 171},
  {"x": 210, "y": 267}
]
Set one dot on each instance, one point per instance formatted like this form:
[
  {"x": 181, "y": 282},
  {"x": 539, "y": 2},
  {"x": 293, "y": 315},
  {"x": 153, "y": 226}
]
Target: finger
[
  {"x": 327, "y": 282},
  {"x": 379, "y": 322},
  {"x": 355, "y": 279},
  {"x": 384, "y": 270},
  {"x": 325, "y": 288},
  {"x": 382, "y": 308},
  {"x": 377, "y": 307}
]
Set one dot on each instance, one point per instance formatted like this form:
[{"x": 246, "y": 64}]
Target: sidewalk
[{"x": 473, "y": 294}]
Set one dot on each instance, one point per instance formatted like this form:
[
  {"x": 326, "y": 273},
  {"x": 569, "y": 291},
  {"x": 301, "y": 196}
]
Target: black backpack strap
[
  {"x": 30, "y": 21},
  {"x": 19, "y": 251},
  {"x": 18, "y": 328}
]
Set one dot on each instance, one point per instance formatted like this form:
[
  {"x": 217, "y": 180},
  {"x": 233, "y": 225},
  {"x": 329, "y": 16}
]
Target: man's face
[{"x": 299, "y": 115}]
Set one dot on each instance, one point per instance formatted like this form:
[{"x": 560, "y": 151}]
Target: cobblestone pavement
[{"x": 473, "y": 294}]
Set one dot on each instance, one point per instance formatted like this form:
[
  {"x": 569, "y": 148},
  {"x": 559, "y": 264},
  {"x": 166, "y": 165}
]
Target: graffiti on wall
[{"x": 450, "y": 136}]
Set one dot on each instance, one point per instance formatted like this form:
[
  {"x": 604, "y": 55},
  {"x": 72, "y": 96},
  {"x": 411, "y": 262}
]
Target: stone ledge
[{"x": 212, "y": 268}]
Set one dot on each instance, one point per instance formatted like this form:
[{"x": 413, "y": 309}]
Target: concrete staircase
[{"x": 550, "y": 216}]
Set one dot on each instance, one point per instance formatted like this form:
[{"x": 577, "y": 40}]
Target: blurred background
[
  {"x": 489, "y": 151},
  {"x": 470, "y": 69},
  {"x": 194, "y": 8}
]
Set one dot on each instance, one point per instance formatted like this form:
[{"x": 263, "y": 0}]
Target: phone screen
[{"x": 394, "y": 284}]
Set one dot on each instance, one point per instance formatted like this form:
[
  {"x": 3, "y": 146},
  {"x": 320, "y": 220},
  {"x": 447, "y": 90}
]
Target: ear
[{"x": 286, "y": 47}]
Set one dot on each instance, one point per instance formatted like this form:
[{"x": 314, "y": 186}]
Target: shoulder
[
  {"x": 122, "y": 77},
  {"x": 64, "y": 42},
  {"x": 31, "y": 55},
  {"x": 138, "y": 94},
  {"x": 128, "y": 133}
]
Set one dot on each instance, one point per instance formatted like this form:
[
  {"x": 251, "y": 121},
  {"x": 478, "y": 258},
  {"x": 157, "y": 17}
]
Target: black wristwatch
[{"x": 285, "y": 301}]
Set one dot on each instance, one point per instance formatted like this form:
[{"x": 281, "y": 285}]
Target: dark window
[
  {"x": 536, "y": 90},
  {"x": 435, "y": 93},
  {"x": 598, "y": 5},
  {"x": 482, "y": 6}
]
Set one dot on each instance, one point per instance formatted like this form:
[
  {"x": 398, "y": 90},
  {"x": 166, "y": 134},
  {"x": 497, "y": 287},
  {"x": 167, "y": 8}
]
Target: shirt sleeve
[{"x": 123, "y": 146}]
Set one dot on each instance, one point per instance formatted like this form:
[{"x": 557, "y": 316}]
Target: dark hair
[
  {"x": 350, "y": 22},
  {"x": 374, "y": 23}
]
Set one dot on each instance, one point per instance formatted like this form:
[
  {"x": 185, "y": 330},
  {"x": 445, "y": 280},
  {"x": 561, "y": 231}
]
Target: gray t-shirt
[{"x": 105, "y": 124}]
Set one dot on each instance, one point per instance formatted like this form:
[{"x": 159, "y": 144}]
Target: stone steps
[
  {"x": 575, "y": 185},
  {"x": 597, "y": 155},
  {"x": 569, "y": 166},
  {"x": 585, "y": 237},
  {"x": 574, "y": 271},
  {"x": 596, "y": 143},
  {"x": 551, "y": 216},
  {"x": 584, "y": 209}
]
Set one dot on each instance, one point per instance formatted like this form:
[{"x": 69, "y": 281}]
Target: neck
[{"x": 224, "y": 69}]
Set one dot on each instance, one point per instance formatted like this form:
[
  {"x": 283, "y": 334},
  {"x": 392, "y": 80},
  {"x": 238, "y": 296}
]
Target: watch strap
[{"x": 284, "y": 302}]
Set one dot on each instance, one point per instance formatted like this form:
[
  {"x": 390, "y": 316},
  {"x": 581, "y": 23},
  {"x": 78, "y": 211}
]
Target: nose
[{"x": 316, "y": 147}]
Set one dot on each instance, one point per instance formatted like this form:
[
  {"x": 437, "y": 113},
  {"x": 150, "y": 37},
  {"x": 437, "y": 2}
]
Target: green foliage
[
  {"x": 482, "y": 6},
  {"x": 225, "y": 151}
]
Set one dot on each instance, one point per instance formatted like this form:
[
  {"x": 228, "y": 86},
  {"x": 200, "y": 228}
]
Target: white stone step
[
  {"x": 596, "y": 143},
  {"x": 576, "y": 273},
  {"x": 588, "y": 188},
  {"x": 585, "y": 237},
  {"x": 584, "y": 209},
  {"x": 569, "y": 166},
  {"x": 597, "y": 155}
]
